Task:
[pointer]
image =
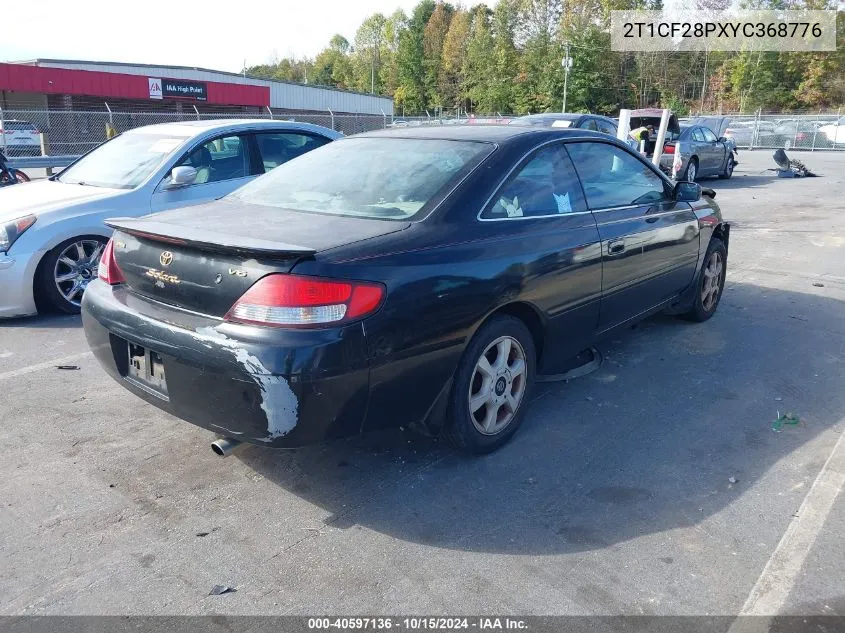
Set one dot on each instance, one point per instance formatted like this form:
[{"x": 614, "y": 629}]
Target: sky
[{"x": 209, "y": 34}]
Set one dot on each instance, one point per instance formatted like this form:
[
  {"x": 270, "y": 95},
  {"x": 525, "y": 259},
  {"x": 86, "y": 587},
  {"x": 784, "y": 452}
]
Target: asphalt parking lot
[{"x": 655, "y": 485}]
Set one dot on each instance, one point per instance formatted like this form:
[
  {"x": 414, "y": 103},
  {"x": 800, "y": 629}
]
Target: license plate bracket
[{"x": 146, "y": 370}]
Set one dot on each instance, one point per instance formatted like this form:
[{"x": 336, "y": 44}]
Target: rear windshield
[{"x": 385, "y": 178}]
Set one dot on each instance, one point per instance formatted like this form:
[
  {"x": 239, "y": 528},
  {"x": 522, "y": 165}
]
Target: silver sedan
[
  {"x": 696, "y": 152},
  {"x": 52, "y": 231}
]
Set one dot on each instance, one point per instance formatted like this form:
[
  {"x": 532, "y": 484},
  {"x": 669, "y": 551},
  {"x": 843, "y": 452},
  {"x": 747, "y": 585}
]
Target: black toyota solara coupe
[{"x": 422, "y": 277}]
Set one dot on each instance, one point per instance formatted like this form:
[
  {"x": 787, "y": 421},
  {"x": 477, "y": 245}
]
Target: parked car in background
[
  {"x": 595, "y": 122},
  {"x": 746, "y": 133},
  {"x": 702, "y": 154},
  {"x": 419, "y": 277},
  {"x": 799, "y": 133},
  {"x": 20, "y": 138},
  {"x": 52, "y": 232},
  {"x": 834, "y": 132}
]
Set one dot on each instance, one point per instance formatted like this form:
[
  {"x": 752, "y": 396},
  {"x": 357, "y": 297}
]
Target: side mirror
[
  {"x": 181, "y": 176},
  {"x": 687, "y": 191},
  {"x": 723, "y": 139}
]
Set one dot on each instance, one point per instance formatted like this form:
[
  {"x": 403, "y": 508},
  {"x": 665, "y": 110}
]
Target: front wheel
[
  {"x": 729, "y": 169},
  {"x": 492, "y": 385},
  {"x": 711, "y": 282},
  {"x": 67, "y": 270}
]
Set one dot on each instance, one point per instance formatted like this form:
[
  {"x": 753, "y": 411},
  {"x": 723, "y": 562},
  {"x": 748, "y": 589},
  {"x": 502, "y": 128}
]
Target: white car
[
  {"x": 834, "y": 132},
  {"x": 20, "y": 138},
  {"x": 52, "y": 231}
]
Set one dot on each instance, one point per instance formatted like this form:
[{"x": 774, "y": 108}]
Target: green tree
[
  {"x": 410, "y": 57},
  {"x": 434, "y": 37},
  {"x": 370, "y": 43},
  {"x": 478, "y": 65},
  {"x": 451, "y": 78}
]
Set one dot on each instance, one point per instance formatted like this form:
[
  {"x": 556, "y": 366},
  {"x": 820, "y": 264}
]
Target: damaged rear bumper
[{"x": 267, "y": 386}]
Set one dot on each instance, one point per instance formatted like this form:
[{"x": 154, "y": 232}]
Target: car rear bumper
[
  {"x": 16, "y": 282},
  {"x": 267, "y": 386}
]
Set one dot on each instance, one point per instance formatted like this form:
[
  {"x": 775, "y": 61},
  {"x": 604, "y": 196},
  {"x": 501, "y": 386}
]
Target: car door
[
  {"x": 275, "y": 148},
  {"x": 223, "y": 164},
  {"x": 716, "y": 151},
  {"x": 649, "y": 242},
  {"x": 539, "y": 217}
]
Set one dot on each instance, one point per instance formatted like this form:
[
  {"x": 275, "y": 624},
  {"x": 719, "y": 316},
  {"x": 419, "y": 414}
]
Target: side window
[
  {"x": 607, "y": 128},
  {"x": 589, "y": 124},
  {"x": 280, "y": 147},
  {"x": 224, "y": 158},
  {"x": 708, "y": 135},
  {"x": 697, "y": 135},
  {"x": 614, "y": 178},
  {"x": 546, "y": 185}
]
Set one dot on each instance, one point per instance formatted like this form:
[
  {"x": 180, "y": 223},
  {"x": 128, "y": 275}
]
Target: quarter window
[
  {"x": 607, "y": 128},
  {"x": 280, "y": 147},
  {"x": 546, "y": 185},
  {"x": 614, "y": 178}
]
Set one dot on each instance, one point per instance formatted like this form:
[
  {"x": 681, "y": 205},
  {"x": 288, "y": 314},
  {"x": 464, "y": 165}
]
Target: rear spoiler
[{"x": 204, "y": 239}]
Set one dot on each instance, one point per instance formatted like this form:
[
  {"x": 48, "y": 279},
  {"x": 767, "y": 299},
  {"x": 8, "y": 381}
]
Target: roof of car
[
  {"x": 193, "y": 128},
  {"x": 488, "y": 133}
]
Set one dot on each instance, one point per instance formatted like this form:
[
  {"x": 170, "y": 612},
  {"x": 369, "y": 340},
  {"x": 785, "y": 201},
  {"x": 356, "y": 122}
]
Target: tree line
[{"x": 445, "y": 58}]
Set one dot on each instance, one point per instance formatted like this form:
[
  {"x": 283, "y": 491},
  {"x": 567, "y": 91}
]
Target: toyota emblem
[{"x": 166, "y": 258}]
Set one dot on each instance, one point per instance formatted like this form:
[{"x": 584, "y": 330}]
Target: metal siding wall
[{"x": 282, "y": 95}]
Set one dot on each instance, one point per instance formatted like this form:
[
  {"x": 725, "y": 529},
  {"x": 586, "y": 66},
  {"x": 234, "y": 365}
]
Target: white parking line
[
  {"x": 772, "y": 589},
  {"x": 48, "y": 365}
]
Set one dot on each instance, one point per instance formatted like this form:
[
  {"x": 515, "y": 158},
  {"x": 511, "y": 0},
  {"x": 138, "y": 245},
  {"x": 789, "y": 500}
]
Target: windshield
[
  {"x": 124, "y": 162},
  {"x": 388, "y": 178}
]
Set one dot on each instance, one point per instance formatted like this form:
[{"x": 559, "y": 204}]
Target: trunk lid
[{"x": 204, "y": 258}]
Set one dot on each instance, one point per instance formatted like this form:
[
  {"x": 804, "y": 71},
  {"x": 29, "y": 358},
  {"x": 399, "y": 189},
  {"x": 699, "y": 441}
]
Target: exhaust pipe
[{"x": 224, "y": 446}]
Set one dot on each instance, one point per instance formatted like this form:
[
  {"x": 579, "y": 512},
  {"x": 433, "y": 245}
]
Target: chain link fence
[
  {"x": 817, "y": 131},
  {"x": 71, "y": 132}
]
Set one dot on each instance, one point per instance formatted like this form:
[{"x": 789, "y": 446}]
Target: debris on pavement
[
  {"x": 733, "y": 480},
  {"x": 219, "y": 590},
  {"x": 789, "y": 168},
  {"x": 787, "y": 418},
  {"x": 818, "y": 284},
  {"x": 68, "y": 367}
]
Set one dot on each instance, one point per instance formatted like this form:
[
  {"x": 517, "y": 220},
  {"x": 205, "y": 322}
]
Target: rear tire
[
  {"x": 65, "y": 272},
  {"x": 492, "y": 386},
  {"x": 710, "y": 283},
  {"x": 20, "y": 176},
  {"x": 691, "y": 172}
]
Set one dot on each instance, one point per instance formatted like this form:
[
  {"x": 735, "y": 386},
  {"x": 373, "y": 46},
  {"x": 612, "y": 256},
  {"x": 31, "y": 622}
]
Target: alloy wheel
[
  {"x": 75, "y": 267},
  {"x": 497, "y": 386},
  {"x": 691, "y": 172},
  {"x": 712, "y": 285}
]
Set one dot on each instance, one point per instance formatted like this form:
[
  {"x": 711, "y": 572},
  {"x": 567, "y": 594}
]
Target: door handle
[{"x": 616, "y": 247}]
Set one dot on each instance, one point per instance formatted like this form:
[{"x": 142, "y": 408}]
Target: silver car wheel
[
  {"x": 691, "y": 171},
  {"x": 497, "y": 386},
  {"x": 75, "y": 267},
  {"x": 712, "y": 285}
]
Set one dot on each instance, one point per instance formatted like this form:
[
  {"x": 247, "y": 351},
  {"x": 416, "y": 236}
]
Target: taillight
[
  {"x": 668, "y": 149},
  {"x": 296, "y": 300},
  {"x": 108, "y": 270}
]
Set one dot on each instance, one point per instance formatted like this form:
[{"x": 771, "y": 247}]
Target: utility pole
[{"x": 567, "y": 64}]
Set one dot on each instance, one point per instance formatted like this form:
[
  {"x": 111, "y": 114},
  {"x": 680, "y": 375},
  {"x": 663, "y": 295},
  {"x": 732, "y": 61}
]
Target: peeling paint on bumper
[{"x": 277, "y": 388}]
